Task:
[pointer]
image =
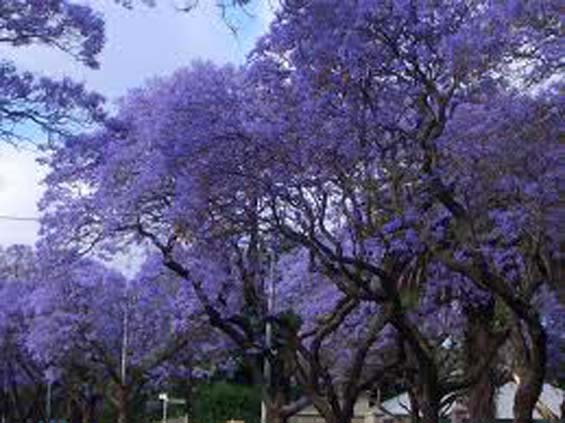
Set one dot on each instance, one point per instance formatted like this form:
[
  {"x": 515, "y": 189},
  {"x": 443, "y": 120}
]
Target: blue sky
[{"x": 141, "y": 44}]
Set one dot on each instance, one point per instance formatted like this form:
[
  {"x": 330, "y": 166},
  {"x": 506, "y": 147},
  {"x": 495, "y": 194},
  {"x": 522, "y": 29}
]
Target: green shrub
[{"x": 218, "y": 402}]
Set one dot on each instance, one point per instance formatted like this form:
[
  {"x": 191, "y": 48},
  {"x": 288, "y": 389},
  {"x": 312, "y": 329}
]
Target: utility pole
[
  {"x": 122, "y": 387},
  {"x": 125, "y": 340},
  {"x": 267, "y": 371}
]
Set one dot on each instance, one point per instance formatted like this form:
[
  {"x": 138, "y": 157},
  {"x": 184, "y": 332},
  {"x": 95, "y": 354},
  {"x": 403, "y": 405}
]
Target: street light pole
[{"x": 165, "y": 398}]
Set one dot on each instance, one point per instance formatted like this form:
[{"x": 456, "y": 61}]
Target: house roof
[
  {"x": 551, "y": 397},
  {"x": 399, "y": 405}
]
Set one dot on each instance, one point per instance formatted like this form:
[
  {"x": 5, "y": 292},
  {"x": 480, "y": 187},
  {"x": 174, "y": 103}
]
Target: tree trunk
[
  {"x": 274, "y": 408},
  {"x": 419, "y": 355},
  {"x": 481, "y": 397},
  {"x": 76, "y": 412},
  {"x": 274, "y": 416},
  {"x": 122, "y": 403},
  {"x": 531, "y": 374},
  {"x": 527, "y": 396},
  {"x": 188, "y": 388},
  {"x": 425, "y": 396},
  {"x": 481, "y": 403},
  {"x": 91, "y": 409},
  {"x": 414, "y": 407},
  {"x": 430, "y": 403}
]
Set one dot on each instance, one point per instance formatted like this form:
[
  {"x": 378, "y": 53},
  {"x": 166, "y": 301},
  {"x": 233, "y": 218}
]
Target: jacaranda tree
[
  {"x": 117, "y": 337},
  {"x": 395, "y": 83},
  {"x": 400, "y": 157},
  {"x": 23, "y": 390}
]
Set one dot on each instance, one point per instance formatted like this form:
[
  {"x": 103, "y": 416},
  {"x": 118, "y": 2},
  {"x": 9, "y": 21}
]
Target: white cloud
[
  {"x": 266, "y": 13},
  {"x": 20, "y": 188},
  {"x": 142, "y": 43},
  {"x": 146, "y": 42}
]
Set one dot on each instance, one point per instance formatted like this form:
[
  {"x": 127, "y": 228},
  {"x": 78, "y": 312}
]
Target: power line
[{"x": 18, "y": 218}]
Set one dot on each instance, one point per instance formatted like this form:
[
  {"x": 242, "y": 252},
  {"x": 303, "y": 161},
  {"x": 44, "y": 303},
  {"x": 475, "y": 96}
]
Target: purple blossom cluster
[{"x": 376, "y": 189}]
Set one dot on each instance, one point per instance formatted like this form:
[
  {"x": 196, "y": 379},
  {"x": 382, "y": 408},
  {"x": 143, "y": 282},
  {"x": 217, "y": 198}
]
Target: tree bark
[
  {"x": 274, "y": 406},
  {"x": 414, "y": 407},
  {"x": 481, "y": 396},
  {"x": 427, "y": 384},
  {"x": 430, "y": 402},
  {"x": 91, "y": 409},
  {"x": 531, "y": 374},
  {"x": 76, "y": 412},
  {"x": 274, "y": 416},
  {"x": 122, "y": 403},
  {"x": 425, "y": 394}
]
